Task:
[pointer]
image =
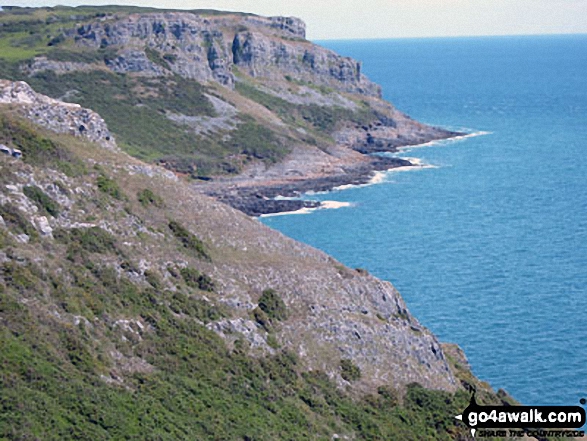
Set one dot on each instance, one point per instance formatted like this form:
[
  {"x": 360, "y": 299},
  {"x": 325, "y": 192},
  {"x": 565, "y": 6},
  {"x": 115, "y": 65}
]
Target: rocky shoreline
[{"x": 259, "y": 198}]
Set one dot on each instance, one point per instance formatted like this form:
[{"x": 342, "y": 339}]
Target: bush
[
  {"x": 194, "y": 279},
  {"x": 93, "y": 240},
  {"x": 271, "y": 304},
  {"x": 146, "y": 197},
  {"x": 262, "y": 319},
  {"x": 181, "y": 303},
  {"x": 110, "y": 187},
  {"x": 153, "y": 280},
  {"x": 349, "y": 371},
  {"x": 41, "y": 200},
  {"x": 189, "y": 240},
  {"x": 16, "y": 221}
]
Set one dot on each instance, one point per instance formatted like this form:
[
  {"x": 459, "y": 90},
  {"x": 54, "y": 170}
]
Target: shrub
[
  {"x": 93, "y": 240},
  {"x": 146, "y": 197},
  {"x": 271, "y": 304},
  {"x": 194, "y": 279},
  {"x": 110, "y": 187},
  {"x": 181, "y": 303},
  {"x": 153, "y": 280},
  {"x": 41, "y": 200},
  {"x": 262, "y": 319},
  {"x": 16, "y": 221},
  {"x": 189, "y": 240},
  {"x": 349, "y": 371},
  {"x": 155, "y": 57}
]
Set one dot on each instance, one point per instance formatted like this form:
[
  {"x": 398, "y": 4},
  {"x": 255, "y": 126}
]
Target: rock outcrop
[
  {"x": 208, "y": 48},
  {"x": 58, "y": 116}
]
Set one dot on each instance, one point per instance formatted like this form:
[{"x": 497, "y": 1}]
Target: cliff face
[
  {"x": 300, "y": 111},
  {"x": 207, "y": 49}
]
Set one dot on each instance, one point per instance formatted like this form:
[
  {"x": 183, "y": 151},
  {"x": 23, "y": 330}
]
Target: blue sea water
[{"x": 489, "y": 249}]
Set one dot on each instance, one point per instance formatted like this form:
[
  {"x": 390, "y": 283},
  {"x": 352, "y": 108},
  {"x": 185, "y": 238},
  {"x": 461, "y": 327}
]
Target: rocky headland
[{"x": 253, "y": 109}]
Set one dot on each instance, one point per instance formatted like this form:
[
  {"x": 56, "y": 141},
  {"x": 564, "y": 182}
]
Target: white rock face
[
  {"x": 58, "y": 116},
  {"x": 43, "y": 226}
]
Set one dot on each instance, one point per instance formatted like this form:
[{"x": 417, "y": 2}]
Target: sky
[{"x": 352, "y": 19}]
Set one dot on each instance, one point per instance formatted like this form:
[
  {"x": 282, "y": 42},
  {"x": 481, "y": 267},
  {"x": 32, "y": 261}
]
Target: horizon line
[{"x": 430, "y": 37}]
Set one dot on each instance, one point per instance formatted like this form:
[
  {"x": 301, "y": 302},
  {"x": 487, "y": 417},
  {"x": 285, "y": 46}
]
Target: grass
[
  {"x": 189, "y": 240},
  {"x": 42, "y": 200},
  {"x": 37, "y": 149},
  {"x": 134, "y": 109},
  {"x": 323, "y": 119},
  {"x": 16, "y": 221}
]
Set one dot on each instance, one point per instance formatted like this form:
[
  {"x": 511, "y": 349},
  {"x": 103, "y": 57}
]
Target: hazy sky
[{"x": 338, "y": 19}]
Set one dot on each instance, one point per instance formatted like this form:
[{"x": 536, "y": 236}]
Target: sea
[{"x": 488, "y": 243}]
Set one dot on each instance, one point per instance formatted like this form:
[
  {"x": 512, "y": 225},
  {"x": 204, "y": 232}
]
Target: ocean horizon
[{"x": 487, "y": 241}]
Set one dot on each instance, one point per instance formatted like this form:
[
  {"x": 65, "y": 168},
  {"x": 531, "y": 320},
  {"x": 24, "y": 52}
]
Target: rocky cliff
[{"x": 246, "y": 101}]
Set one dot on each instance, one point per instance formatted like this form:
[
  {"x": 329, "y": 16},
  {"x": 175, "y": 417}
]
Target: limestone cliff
[{"x": 298, "y": 111}]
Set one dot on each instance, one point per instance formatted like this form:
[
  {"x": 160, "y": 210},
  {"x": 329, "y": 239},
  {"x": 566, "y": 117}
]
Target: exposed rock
[
  {"x": 207, "y": 125},
  {"x": 243, "y": 328},
  {"x": 43, "y": 226},
  {"x": 260, "y": 56},
  {"x": 58, "y": 116},
  {"x": 207, "y": 48},
  {"x": 136, "y": 62},
  {"x": 42, "y": 64},
  {"x": 23, "y": 238}
]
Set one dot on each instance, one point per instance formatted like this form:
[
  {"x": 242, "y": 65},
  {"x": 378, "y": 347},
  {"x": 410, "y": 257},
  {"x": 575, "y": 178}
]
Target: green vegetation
[
  {"x": 198, "y": 390},
  {"x": 93, "y": 239},
  {"x": 147, "y": 197},
  {"x": 271, "y": 304},
  {"x": 134, "y": 109},
  {"x": 189, "y": 240},
  {"x": 349, "y": 371},
  {"x": 156, "y": 57},
  {"x": 41, "y": 200},
  {"x": 37, "y": 149},
  {"x": 16, "y": 221},
  {"x": 192, "y": 306},
  {"x": 255, "y": 141},
  {"x": 110, "y": 187},
  {"x": 194, "y": 279},
  {"x": 323, "y": 119}
]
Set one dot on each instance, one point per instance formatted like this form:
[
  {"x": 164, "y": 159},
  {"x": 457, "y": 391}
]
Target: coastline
[{"x": 272, "y": 197}]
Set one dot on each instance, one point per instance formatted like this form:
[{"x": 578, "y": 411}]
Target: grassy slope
[{"x": 174, "y": 379}]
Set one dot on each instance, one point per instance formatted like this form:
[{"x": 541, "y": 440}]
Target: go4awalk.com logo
[{"x": 523, "y": 420}]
